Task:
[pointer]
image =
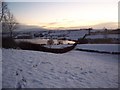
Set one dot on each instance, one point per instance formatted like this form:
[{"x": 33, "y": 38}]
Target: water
[{"x": 44, "y": 41}]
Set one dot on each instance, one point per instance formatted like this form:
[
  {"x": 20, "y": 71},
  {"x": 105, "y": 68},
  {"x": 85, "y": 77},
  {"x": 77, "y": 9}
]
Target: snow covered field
[
  {"x": 75, "y": 69},
  {"x": 101, "y": 36},
  {"x": 100, "y": 47}
]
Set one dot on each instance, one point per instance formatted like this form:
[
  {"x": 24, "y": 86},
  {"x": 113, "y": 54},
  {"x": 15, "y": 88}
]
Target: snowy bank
[{"x": 100, "y": 47}]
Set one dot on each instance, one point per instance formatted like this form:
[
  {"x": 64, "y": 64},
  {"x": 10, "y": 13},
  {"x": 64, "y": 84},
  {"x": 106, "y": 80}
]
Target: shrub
[{"x": 8, "y": 43}]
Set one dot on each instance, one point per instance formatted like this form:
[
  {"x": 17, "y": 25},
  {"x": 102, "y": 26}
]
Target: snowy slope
[
  {"x": 75, "y": 69},
  {"x": 75, "y": 35},
  {"x": 68, "y": 34}
]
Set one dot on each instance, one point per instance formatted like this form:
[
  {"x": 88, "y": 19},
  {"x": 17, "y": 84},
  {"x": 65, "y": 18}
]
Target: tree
[
  {"x": 7, "y": 19},
  {"x": 89, "y": 31}
]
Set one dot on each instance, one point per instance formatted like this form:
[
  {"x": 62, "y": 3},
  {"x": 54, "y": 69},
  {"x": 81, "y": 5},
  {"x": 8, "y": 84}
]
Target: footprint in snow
[
  {"x": 35, "y": 66},
  {"x": 21, "y": 84},
  {"x": 20, "y": 70},
  {"x": 30, "y": 61},
  {"x": 76, "y": 67},
  {"x": 90, "y": 72},
  {"x": 66, "y": 72},
  {"x": 45, "y": 62},
  {"x": 17, "y": 73},
  {"x": 24, "y": 80},
  {"x": 46, "y": 77},
  {"x": 84, "y": 73},
  {"x": 71, "y": 78},
  {"x": 37, "y": 81},
  {"x": 30, "y": 57},
  {"x": 29, "y": 72},
  {"x": 52, "y": 70},
  {"x": 66, "y": 63},
  {"x": 59, "y": 72},
  {"x": 56, "y": 77},
  {"x": 104, "y": 72}
]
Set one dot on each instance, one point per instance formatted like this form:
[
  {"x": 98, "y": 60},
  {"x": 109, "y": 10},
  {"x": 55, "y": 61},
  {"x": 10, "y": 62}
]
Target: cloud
[
  {"x": 109, "y": 25},
  {"x": 53, "y": 23},
  {"x": 44, "y": 25},
  {"x": 60, "y": 25}
]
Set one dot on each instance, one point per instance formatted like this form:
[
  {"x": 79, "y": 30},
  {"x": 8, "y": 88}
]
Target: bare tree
[{"x": 7, "y": 19}]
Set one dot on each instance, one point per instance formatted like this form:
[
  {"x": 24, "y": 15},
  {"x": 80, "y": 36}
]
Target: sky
[{"x": 54, "y": 15}]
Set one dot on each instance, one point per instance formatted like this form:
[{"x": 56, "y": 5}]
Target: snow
[
  {"x": 75, "y": 69},
  {"x": 58, "y": 46},
  {"x": 75, "y": 35},
  {"x": 100, "y": 47},
  {"x": 0, "y": 68},
  {"x": 101, "y": 36},
  {"x": 68, "y": 34}
]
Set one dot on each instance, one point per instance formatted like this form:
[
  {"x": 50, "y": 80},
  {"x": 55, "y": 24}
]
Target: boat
[{"x": 37, "y": 47}]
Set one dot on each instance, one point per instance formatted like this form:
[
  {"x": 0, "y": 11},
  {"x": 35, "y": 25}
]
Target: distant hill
[
  {"x": 108, "y": 25},
  {"x": 27, "y": 28}
]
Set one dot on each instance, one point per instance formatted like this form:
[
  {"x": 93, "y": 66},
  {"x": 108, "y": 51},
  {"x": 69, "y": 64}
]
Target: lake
[{"x": 44, "y": 41}]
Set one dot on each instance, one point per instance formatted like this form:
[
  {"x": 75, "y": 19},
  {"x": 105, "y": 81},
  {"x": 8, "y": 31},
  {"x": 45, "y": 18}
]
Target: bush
[{"x": 8, "y": 43}]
